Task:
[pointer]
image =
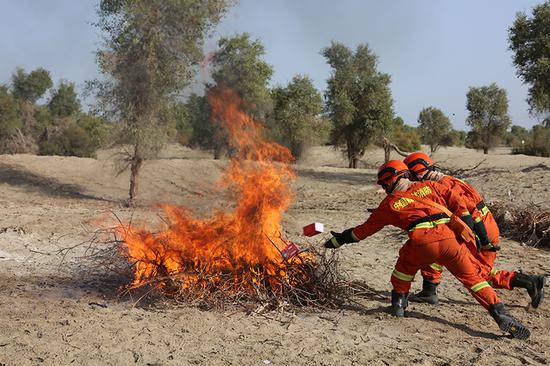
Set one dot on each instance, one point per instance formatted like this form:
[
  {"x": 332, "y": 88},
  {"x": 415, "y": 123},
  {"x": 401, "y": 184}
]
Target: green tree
[
  {"x": 296, "y": 113},
  {"x": 66, "y": 138},
  {"x": 404, "y": 136},
  {"x": 488, "y": 115},
  {"x": 10, "y": 120},
  {"x": 149, "y": 50},
  {"x": 454, "y": 138},
  {"x": 179, "y": 115},
  {"x": 30, "y": 87},
  {"x": 97, "y": 129},
  {"x": 42, "y": 118},
  {"x": 198, "y": 114},
  {"x": 64, "y": 101},
  {"x": 516, "y": 135},
  {"x": 358, "y": 99},
  {"x": 434, "y": 126},
  {"x": 238, "y": 64},
  {"x": 529, "y": 39},
  {"x": 536, "y": 141}
]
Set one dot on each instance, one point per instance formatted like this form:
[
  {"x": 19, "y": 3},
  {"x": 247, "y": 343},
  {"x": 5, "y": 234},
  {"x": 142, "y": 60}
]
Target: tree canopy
[
  {"x": 10, "y": 119},
  {"x": 32, "y": 86},
  {"x": 404, "y": 136},
  {"x": 488, "y": 115},
  {"x": 64, "y": 101},
  {"x": 434, "y": 127},
  {"x": 297, "y": 110},
  {"x": 238, "y": 64},
  {"x": 529, "y": 39},
  {"x": 358, "y": 99}
]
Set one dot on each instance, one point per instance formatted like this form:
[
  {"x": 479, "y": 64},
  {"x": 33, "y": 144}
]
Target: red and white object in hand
[{"x": 314, "y": 229}]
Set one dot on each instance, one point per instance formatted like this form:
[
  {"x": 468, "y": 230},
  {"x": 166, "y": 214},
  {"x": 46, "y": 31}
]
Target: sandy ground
[{"x": 53, "y": 314}]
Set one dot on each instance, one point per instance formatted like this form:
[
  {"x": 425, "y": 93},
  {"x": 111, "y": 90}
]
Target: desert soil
[{"x": 53, "y": 313}]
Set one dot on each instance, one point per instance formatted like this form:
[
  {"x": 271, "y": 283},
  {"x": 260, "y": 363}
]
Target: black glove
[
  {"x": 341, "y": 238},
  {"x": 478, "y": 243},
  {"x": 481, "y": 232},
  {"x": 490, "y": 248},
  {"x": 468, "y": 219}
]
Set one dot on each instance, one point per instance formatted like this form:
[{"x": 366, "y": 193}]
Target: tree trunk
[
  {"x": 485, "y": 150},
  {"x": 387, "y": 153},
  {"x": 135, "y": 166},
  {"x": 350, "y": 155},
  {"x": 355, "y": 162},
  {"x": 217, "y": 152},
  {"x": 297, "y": 149}
]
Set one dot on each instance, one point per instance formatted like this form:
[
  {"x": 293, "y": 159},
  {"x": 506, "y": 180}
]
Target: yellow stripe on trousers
[
  {"x": 402, "y": 276},
  {"x": 479, "y": 286}
]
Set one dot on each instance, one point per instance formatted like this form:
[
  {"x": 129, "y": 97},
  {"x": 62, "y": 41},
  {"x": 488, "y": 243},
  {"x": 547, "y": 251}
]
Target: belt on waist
[{"x": 429, "y": 221}]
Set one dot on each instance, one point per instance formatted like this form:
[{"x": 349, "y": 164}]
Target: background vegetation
[{"x": 151, "y": 53}]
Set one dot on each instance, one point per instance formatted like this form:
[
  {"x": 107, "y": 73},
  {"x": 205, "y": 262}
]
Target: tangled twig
[{"x": 526, "y": 224}]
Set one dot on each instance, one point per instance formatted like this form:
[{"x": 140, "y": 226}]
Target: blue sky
[{"x": 433, "y": 49}]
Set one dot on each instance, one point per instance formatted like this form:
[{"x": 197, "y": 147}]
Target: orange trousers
[
  {"x": 497, "y": 278},
  {"x": 455, "y": 257}
]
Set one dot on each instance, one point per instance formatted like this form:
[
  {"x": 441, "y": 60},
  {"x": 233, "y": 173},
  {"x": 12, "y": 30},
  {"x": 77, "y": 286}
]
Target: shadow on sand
[{"x": 19, "y": 176}]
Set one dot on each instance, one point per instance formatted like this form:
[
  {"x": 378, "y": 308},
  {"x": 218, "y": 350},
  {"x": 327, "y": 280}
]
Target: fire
[{"x": 235, "y": 247}]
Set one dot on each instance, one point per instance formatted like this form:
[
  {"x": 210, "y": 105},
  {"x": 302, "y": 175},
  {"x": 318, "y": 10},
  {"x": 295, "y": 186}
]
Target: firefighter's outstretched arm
[
  {"x": 352, "y": 235},
  {"x": 338, "y": 239}
]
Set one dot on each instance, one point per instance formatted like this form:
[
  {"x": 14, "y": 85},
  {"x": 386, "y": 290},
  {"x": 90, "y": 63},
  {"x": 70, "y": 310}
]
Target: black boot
[
  {"x": 398, "y": 303},
  {"x": 534, "y": 286},
  {"x": 507, "y": 323},
  {"x": 427, "y": 295}
]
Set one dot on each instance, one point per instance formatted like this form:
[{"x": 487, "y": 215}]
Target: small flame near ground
[{"x": 235, "y": 249}]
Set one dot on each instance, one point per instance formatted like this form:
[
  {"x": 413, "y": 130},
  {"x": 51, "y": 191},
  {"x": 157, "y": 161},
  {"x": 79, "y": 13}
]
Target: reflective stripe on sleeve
[
  {"x": 484, "y": 211},
  {"x": 437, "y": 267},
  {"x": 479, "y": 286},
  {"x": 402, "y": 276},
  {"x": 494, "y": 271}
]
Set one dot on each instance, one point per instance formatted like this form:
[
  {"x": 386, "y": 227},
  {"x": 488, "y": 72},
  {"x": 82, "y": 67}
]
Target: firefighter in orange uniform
[
  {"x": 421, "y": 168},
  {"x": 430, "y": 240}
]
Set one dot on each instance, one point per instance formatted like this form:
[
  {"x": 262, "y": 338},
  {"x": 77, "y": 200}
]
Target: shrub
[{"x": 66, "y": 138}]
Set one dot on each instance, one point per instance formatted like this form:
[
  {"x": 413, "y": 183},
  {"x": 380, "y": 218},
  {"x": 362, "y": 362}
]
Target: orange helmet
[
  {"x": 389, "y": 173},
  {"x": 418, "y": 163}
]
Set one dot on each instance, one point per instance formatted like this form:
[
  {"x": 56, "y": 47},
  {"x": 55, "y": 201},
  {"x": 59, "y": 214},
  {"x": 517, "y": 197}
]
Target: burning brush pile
[{"x": 237, "y": 254}]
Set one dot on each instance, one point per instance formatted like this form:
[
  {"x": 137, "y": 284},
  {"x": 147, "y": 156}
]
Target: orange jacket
[
  {"x": 473, "y": 199},
  {"x": 402, "y": 212}
]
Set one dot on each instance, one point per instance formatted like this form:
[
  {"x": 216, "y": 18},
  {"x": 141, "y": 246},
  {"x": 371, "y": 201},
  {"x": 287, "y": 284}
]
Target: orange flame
[{"x": 243, "y": 242}]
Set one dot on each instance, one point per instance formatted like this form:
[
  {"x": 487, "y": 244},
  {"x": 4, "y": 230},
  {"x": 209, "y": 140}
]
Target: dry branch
[
  {"x": 313, "y": 279},
  {"x": 459, "y": 172},
  {"x": 529, "y": 224},
  {"x": 388, "y": 144}
]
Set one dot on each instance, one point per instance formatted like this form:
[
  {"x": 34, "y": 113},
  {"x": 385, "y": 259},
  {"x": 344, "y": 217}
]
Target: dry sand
[{"x": 53, "y": 314}]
